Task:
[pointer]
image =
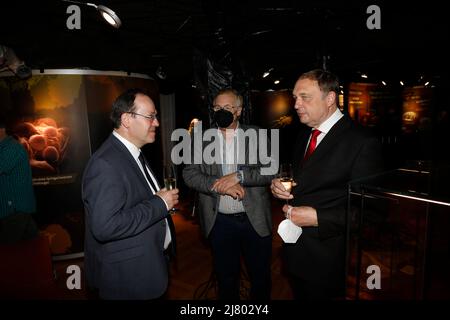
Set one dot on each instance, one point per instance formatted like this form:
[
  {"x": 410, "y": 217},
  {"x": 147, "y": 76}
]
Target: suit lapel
[
  {"x": 303, "y": 143},
  {"x": 126, "y": 155},
  {"x": 218, "y": 166},
  {"x": 300, "y": 147},
  {"x": 329, "y": 141},
  {"x": 246, "y": 148}
]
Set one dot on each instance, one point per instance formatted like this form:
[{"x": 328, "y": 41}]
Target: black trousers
[
  {"x": 93, "y": 294},
  {"x": 315, "y": 291},
  {"x": 231, "y": 236}
]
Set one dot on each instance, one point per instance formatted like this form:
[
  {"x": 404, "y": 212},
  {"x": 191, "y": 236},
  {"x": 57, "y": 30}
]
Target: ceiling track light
[
  {"x": 109, "y": 15},
  {"x": 160, "y": 73},
  {"x": 265, "y": 74}
]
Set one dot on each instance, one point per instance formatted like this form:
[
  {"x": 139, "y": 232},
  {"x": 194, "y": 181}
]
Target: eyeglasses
[
  {"x": 226, "y": 107},
  {"x": 151, "y": 117}
]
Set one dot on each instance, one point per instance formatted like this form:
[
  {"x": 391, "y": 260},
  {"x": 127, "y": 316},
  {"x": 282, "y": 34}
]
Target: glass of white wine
[
  {"x": 286, "y": 177},
  {"x": 170, "y": 178}
]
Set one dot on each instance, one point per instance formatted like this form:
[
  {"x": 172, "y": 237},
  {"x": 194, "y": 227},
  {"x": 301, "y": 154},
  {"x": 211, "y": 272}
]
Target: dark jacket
[
  {"x": 125, "y": 227},
  {"x": 347, "y": 152}
]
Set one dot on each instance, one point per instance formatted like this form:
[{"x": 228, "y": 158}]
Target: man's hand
[
  {"x": 169, "y": 196},
  {"x": 237, "y": 192},
  {"x": 279, "y": 191},
  {"x": 302, "y": 216},
  {"x": 224, "y": 183}
]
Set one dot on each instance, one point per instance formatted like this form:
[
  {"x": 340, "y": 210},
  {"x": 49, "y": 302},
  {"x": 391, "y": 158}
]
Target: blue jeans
[{"x": 230, "y": 237}]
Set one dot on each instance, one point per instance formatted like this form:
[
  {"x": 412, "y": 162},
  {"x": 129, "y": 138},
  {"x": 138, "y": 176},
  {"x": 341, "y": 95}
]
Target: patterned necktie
[
  {"x": 312, "y": 143},
  {"x": 173, "y": 245}
]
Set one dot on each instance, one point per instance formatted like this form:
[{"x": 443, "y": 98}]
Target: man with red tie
[{"x": 330, "y": 152}]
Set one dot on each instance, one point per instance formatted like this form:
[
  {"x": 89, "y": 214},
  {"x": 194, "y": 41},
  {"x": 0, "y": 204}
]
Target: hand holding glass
[
  {"x": 170, "y": 178},
  {"x": 286, "y": 177}
]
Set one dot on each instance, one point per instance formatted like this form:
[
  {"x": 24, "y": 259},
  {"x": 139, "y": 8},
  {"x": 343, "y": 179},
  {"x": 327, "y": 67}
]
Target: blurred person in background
[{"x": 17, "y": 200}]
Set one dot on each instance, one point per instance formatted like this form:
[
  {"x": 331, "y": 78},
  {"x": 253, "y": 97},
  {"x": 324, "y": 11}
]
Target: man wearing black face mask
[{"x": 234, "y": 207}]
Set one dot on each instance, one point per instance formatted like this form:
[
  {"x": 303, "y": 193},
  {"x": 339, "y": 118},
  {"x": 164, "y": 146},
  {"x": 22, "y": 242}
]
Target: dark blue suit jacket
[{"x": 125, "y": 227}]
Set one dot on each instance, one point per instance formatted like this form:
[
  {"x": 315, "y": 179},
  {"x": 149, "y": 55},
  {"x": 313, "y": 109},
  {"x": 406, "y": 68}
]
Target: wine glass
[
  {"x": 286, "y": 177},
  {"x": 170, "y": 178}
]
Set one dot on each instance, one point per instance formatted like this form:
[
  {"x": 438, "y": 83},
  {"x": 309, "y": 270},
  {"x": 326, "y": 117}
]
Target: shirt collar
[
  {"x": 135, "y": 151},
  {"x": 331, "y": 121},
  {"x": 235, "y": 131}
]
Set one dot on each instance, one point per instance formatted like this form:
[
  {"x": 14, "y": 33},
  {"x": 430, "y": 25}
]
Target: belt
[{"x": 236, "y": 214}]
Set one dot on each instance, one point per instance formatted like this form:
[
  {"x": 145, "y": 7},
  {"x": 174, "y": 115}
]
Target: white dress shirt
[
  {"x": 135, "y": 152},
  {"x": 326, "y": 126},
  {"x": 229, "y": 155}
]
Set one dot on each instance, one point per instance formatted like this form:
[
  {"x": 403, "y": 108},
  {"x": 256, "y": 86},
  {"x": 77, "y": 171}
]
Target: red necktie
[{"x": 312, "y": 143}]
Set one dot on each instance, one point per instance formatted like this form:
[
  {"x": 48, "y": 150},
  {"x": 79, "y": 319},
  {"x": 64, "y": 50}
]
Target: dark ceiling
[{"x": 249, "y": 36}]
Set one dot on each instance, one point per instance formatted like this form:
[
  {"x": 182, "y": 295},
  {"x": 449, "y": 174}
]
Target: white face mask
[{"x": 289, "y": 231}]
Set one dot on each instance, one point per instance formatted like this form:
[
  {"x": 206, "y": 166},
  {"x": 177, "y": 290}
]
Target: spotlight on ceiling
[
  {"x": 110, "y": 16},
  {"x": 160, "y": 73},
  {"x": 9, "y": 61},
  {"x": 265, "y": 74}
]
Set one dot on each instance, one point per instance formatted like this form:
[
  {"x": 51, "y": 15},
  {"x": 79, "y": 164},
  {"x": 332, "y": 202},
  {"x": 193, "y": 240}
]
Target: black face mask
[{"x": 223, "y": 118}]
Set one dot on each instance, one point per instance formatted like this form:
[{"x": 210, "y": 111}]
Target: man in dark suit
[
  {"x": 331, "y": 152},
  {"x": 234, "y": 206},
  {"x": 126, "y": 212}
]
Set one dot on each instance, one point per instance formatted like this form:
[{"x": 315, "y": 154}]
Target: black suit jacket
[
  {"x": 347, "y": 152},
  {"x": 125, "y": 227}
]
